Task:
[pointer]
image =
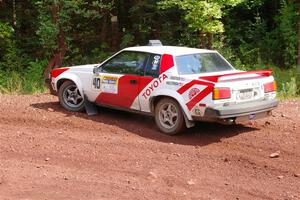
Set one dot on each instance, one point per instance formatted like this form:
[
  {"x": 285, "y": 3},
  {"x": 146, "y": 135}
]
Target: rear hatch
[{"x": 240, "y": 87}]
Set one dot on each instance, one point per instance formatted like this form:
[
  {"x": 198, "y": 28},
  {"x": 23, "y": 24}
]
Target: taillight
[
  {"x": 270, "y": 87},
  {"x": 221, "y": 93}
]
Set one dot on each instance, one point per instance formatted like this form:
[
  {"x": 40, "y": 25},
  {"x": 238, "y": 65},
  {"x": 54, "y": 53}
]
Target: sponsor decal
[
  {"x": 108, "y": 84},
  {"x": 193, "y": 92},
  {"x": 155, "y": 63},
  {"x": 177, "y": 78},
  {"x": 174, "y": 83},
  {"x": 153, "y": 85}
]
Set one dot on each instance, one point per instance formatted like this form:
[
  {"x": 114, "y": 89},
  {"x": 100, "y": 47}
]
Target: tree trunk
[
  {"x": 14, "y": 14},
  {"x": 115, "y": 35},
  {"x": 59, "y": 53},
  {"x": 210, "y": 40},
  {"x": 104, "y": 27},
  {"x": 298, "y": 61},
  {"x": 201, "y": 40}
]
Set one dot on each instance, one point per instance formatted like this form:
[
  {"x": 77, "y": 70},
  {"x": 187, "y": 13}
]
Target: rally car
[{"x": 178, "y": 85}]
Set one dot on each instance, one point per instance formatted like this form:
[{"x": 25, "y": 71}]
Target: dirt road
[{"x": 49, "y": 153}]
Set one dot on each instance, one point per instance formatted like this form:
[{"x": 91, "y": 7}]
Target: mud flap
[
  {"x": 188, "y": 123},
  {"x": 90, "y": 107}
]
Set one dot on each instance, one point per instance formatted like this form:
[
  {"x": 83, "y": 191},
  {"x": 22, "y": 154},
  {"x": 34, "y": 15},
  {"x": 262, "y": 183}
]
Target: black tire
[
  {"x": 169, "y": 117},
  {"x": 70, "y": 97}
]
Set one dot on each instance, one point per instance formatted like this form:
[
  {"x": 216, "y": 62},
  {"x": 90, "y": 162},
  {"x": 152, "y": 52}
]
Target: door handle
[{"x": 133, "y": 81}]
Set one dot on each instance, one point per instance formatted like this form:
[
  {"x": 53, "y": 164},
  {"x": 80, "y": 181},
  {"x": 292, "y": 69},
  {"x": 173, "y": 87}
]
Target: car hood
[{"x": 84, "y": 66}]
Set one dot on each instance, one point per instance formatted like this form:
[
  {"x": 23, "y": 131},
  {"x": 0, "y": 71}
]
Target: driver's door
[{"x": 119, "y": 78}]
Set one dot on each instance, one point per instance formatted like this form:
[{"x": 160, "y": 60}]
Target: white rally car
[{"x": 177, "y": 85}]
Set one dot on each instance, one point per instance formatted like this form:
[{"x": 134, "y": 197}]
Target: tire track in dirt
[{"x": 49, "y": 153}]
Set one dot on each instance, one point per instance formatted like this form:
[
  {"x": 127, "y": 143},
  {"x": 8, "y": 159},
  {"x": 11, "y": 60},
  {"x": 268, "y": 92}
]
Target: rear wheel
[
  {"x": 169, "y": 117},
  {"x": 70, "y": 97}
]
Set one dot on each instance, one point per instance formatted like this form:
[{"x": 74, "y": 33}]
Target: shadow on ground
[{"x": 200, "y": 135}]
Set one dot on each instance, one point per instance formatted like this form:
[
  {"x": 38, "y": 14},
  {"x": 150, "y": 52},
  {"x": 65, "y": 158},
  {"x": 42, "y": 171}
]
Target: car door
[
  {"x": 151, "y": 72},
  {"x": 119, "y": 78}
]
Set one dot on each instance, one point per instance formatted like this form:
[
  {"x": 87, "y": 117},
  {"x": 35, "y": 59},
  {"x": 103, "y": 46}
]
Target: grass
[
  {"x": 28, "y": 81},
  {"x": 16, "y": 83}
]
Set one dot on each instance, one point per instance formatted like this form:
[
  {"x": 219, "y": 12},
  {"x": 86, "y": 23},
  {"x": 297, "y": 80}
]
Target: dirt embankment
[{"x": 49, "y": 153}]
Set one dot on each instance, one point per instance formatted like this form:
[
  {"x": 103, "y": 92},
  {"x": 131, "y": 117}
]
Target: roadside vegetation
[{"x": 40, "y": 34}]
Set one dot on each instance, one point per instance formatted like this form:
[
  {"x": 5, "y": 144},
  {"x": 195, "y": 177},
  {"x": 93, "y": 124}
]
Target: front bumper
[{"x": 49, "y": 86}]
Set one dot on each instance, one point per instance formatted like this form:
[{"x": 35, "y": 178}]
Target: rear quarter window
[{"x": 153, "y": 65}]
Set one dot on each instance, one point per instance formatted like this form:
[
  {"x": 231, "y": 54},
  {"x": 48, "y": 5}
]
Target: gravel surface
[{"x": 49, "y": 153}]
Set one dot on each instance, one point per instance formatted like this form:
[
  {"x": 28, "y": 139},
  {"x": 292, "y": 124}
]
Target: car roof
[{"x": 173, "y": 50}]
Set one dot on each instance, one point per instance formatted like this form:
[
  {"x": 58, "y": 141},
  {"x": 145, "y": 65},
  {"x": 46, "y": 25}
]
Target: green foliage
[
  {"x": 76, "y": 19},
  {"x": 11, "y": 82},
  {"x": 288, "y": 82},
  {"x": 250, "y": 34},
  {"x": 264, "y": 37},
  {"x": 33, "y": 77},
  {"x": 6, "y": 32},
  {"x": 9, "y": 54},
  {"x": 97, "y": 55},
  {"x": 287, "y": 32},
  {"x": 289, "y": 89},
  {"x": 27, "y": 81},
  {"x": 203, "y": 16},
  {"x": 127, "y": 40},
  {"x": 47, "y": 33}
]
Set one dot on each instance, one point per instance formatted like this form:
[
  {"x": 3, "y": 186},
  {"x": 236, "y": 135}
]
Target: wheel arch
[
  {"x": 61, "y": 81},
  {"x": 173, "y": 95},
  {"x": 187, "y": 116},
  {"x": 69, "y": 77}
]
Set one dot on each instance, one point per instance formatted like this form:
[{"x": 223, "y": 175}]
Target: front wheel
[
  {"x": 169, "y": 117},
  {"x": 70, "y": 97}
]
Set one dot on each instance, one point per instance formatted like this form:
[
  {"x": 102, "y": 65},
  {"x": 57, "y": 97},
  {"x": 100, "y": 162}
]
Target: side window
[
  {"x": 152, "y": 66},
  {"x": 127, "y": 62}
]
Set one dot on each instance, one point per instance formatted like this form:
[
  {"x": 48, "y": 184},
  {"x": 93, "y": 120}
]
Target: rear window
[{"x": 201, "y": 63}]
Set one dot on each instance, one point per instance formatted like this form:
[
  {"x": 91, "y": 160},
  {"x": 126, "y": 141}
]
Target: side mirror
[{"x": 97, "y": 70}]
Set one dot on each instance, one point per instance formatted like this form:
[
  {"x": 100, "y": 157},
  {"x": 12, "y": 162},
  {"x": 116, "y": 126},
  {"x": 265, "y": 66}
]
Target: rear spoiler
[{"x": 264, "y": 73}]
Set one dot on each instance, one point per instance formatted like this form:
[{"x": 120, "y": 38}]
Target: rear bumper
[{"x": 238, "y": 110}]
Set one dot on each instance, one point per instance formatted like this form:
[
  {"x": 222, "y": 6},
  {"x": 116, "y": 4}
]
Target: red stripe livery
[
  {"x": 216, "y": 77},
  {"x": 198, "y": 97},
  {"x": 56, "y": 72},
  {"x": 166, "y": 63}
]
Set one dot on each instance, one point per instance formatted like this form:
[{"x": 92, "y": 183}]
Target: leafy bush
[
  {"x": 33, "y": 77},
  {"x": 9, "y": 54},
  {"x": 11, "y": 82},
  {"x": 289, "y": 89},
  {"x": 287, "y": 32},
  {"x": 29, "y": 81}
]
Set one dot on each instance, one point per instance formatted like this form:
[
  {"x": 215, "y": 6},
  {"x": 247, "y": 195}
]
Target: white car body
[{"x": 194, "y": 92}]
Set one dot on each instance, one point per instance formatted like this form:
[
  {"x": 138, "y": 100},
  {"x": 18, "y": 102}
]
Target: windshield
[{"x": 200, "y": 63}]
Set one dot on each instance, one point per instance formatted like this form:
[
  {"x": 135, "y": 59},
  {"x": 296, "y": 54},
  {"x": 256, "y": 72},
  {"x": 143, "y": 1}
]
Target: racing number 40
[{"x": 96, "y": 83}]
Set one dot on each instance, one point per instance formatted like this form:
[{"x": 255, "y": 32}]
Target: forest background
[{"x": 251, "y": 34}]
